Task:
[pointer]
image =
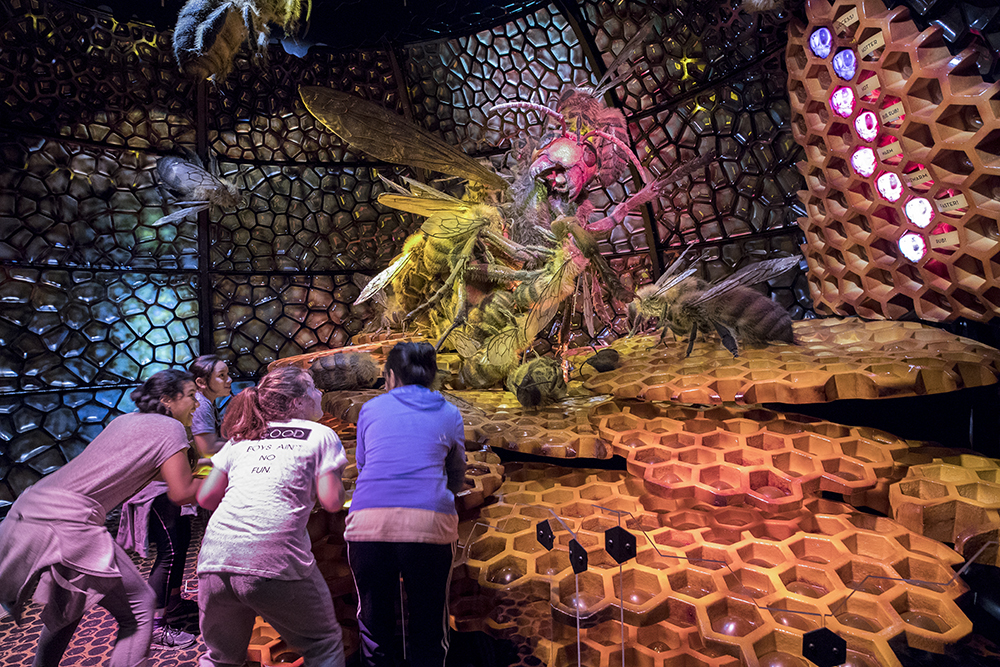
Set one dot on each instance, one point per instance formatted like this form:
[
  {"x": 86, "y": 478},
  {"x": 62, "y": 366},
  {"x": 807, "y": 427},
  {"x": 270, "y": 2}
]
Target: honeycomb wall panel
[{"x": 901, "y": 166}]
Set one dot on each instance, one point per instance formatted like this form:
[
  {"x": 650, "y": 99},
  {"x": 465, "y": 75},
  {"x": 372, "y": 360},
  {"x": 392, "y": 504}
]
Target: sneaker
[
  {"x": 165, "y": 636},
  {"x": 180, "y": 612}
]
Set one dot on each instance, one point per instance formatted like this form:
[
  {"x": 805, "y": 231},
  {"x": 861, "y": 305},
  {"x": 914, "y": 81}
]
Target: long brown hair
[{"x": 272, "y": 399}]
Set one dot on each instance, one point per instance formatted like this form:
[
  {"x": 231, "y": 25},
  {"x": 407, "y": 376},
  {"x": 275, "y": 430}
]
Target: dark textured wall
[{"x": 94, "y": 298}]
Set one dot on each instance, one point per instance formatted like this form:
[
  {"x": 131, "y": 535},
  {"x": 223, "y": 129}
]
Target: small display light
[
  {"x": 821, "y": 41},
  {"x": 889, "y": 186},
  {"x": 845, "y": 64},
  {"x": 919, "y": 211},
  {"x": 866, "y": 125},
  {"x": 863, "y": 161},
  {"x": 842, "y": 102},
  {"x": 913, "y": 246}
]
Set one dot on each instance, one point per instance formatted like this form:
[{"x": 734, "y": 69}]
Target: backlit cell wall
[
  {"x": 901, "y": 164},
  {"x": 94, "y": 297}
]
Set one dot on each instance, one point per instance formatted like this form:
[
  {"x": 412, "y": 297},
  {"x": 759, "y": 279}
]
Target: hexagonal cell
[
  {"x": 552, "y": 563},
  {"x": 770, "y": 486},
  {"x": 557, "y": 497},
  {"x": 871, "y": 545},
  {"x": 721, "y": 478},
  {"x": 863, "y": 450},
  {"x": 743, "y": 457},
  {"x": 590, "y": 597},
  {"x": 658, "y": 638},
  {"x": 861, "y": 614},
  {"x": 807, "y": 581},
  {"x": 867, "y": 577},
  {"x": 813, "y": 444},
  {"x": 761, "y": 554},
  {"x": 697, "y": 456},
  {"x": 922, "y": 489},
  {"x": 637, "y": 587},
  {"x": 506, "y": 571},
  {"x": 814, "y": 549},
  {"x": 512, "y": 524},
  {"x": 486, "y": 548},
  {"x": 954, "y": 162},
  {"x": 987, "y": 494},
  {"x": 794, "y": 464},
  {"x": 651, "y": 455},
  {"x": 766, "y": 441},
  {"x": 692, "y": 583},
  {"x": 734, "y": 617},
  {"x": 678, "y": 440},
  {"x": 795, "y": 614},
  {"x": 707, "y": 557},
  {"x": 845, "y": 469},
  {"x": 748, "y": 582},
  {"x": 670, "y": 474},
  {"x": 674, "y": 538},
  {"x": 925, "y": 573},
  {"x": 925, "y": 612},
  {"x": 608, "y": 633}
]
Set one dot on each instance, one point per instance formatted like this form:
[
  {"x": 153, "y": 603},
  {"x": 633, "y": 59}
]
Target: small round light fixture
[
  {"x": 863, "y": 161},
  {"x": 919, "y": 211},
  {"x": 889, "y": 186},
  {"x": 845, "y": 64},
  {"x": 821, "y": 41},
  {"x": 913, "y": 246},
  {"x": 866, "y": 125},
  {"x": 842, "y": 102}
]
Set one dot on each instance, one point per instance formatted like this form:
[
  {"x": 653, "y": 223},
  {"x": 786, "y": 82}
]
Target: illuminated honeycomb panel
[
  {"x": 85, "y": 75},
  {"x": 833, "y": 359},
  {"x": 315, "y": 219},
  {"x": 71, "y": 205},
  {"x": 258, "y": 115},
  {"x": 953, "y": 499},
  {"x": 738, "y": 456},
  {"x": 83, "y": 329},
  {"x": 913, "y": 232},
  {"x": 258, "y": 318},
  {"x": 707, "y": 582}
]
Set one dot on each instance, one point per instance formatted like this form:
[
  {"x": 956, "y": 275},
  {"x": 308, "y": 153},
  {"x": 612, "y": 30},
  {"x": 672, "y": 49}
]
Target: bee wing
[
  {"x": 463, "y": 405},
  {"x": 385, "y": 136},
  {"x": 184, "y": 175},
  {"x": 501, "y": 348},
  {"x": 465, "y": 345},
  {"x": 749, "y": 275},
  {"x": 446, "y": 218},
  {"x": 685, "y": 169},
  {"x": 588, "y": 302},
  {"x": 180, "y": 215},
  {"x": 670, "y": 270},
  {"x": 674, "y": 281},
  {"x": 417, "y": 188},
  {"x": 378, "y": 283},
  {"x": 547, "y": 305}
]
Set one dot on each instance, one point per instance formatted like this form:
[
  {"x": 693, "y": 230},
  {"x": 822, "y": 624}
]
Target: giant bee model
[
  {"x": 195, "y": 187},
  {"x": 743, "y": 317}
]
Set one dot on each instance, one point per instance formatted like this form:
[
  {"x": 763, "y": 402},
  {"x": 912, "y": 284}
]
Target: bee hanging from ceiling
[{"x": 209, "y": 33}]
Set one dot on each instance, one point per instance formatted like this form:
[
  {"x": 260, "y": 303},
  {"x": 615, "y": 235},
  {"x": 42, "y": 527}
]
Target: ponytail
[{"x": 273, "y": 399}]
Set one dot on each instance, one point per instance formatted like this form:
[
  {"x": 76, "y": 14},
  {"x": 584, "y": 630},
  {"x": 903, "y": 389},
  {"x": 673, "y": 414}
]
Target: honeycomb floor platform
[{"x": 833, "y": 359}]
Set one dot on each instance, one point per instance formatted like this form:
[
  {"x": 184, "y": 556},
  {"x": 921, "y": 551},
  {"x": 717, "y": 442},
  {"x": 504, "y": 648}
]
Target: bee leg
[
  {"x": 691, "y": 340},
  {"x": 728, "y": 339}
]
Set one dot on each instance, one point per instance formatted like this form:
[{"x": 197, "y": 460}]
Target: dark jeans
[
  {"x": 426, "y": 571},
  {"x": 172, "y": 534}
]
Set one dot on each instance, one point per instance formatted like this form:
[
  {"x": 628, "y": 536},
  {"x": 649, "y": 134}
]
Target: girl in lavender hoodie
[{"x": 402, "y": 521}]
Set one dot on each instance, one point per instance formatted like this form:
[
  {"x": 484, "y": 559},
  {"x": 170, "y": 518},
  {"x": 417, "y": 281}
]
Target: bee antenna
[
  {"x": 622, "y": 146},
  {"x": 530, "y": 106}
]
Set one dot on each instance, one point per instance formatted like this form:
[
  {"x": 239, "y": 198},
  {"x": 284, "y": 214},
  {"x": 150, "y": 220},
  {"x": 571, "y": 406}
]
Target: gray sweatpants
[{"x": 300, "y": 610}]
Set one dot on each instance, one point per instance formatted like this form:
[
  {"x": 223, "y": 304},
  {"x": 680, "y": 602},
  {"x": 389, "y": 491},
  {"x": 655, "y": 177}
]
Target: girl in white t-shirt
[{"x": 256, "y": 556}]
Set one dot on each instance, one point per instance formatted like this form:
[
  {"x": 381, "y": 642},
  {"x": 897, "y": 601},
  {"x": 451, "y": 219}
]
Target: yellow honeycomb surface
[
  {"x": 709, "y": 585},
  {"x": 953, "y": 499},
  {"x": 749, "y": 456},
  {"x": 833, "y": 359},
  {"x": 936, "y": 143}
]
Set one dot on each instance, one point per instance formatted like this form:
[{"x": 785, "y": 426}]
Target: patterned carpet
[{"x": 92, "y": 643}]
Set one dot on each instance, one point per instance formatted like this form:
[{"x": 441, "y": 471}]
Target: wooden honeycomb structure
[
  {"x": 938, "y": 140},
  {"x": 709, "y": 585},
  {"x": 953, "y": 499},
  {"x": 833, "y": 359},
  {"x": 748, "y": 456},
  {"x": 737, "y": 555}
]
